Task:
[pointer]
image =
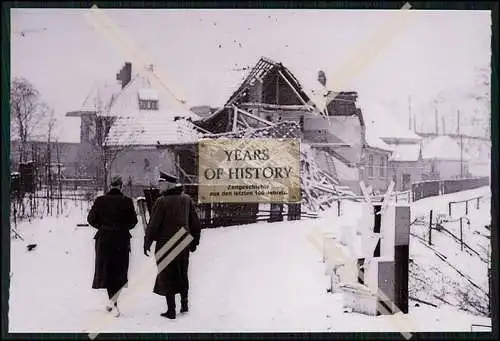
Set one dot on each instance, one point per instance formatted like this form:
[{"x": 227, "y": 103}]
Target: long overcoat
[
  {"x": 172, "y": 211},
  {"x": 113, "y": 215}
]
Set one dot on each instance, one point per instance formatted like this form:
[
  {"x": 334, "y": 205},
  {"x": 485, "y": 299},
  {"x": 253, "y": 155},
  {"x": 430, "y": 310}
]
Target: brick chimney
[
  {"x": 125, "y": 74},
  {"x": 322, "y": 77}
]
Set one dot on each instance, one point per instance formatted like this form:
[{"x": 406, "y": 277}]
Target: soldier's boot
[
  {"x": 184, "y": 305},
  {"x": 170, "y": 313},
  {"x": 184, "y": 301}
]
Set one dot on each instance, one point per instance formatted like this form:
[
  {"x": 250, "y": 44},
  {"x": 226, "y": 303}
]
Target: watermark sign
[{"x": 249, "y": 170}]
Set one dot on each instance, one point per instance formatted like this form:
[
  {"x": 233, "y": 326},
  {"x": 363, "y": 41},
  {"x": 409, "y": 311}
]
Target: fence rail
[
  {"x": 425, "y": 189},
  {"x": 466, "y": 201}
]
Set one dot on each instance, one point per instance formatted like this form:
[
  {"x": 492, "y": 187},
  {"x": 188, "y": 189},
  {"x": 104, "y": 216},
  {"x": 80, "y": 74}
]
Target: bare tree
[
  {"x": 26, "y": 111},
  {"x": 100, "y": 126},
  {"x": 51, "y": 121}
]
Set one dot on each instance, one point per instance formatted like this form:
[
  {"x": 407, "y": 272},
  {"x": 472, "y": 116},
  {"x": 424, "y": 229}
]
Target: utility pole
[
  {"x": 436, "y": 121},
  {"x": 461, "y": 144},
  {"x": 436, "y": 117},
  {"x": 409, "y": 113}
]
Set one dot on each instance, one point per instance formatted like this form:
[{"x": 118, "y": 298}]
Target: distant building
[
  {"x": 405, "y": 164},
  {"x": 37, "y": 150},
  {"x": 444, "y": 159}
]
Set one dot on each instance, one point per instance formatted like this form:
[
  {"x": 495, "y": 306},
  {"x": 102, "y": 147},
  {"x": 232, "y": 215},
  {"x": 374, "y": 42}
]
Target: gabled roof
[
  {"x": 444, "y": 148},
  {"x": 385, "y": 124},
  {"x": 149, "y": 128},
  {"x": 266, "y": 65},
  {"x": 98, "y": 100},
  {"x": 127, "y": 101},
  {"x": 372, "y": 140}
]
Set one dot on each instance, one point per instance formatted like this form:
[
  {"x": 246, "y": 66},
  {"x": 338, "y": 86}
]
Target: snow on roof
[
  {"x": 444, "y": 148},
  {"x": 148, "y": 94},
  {"x": 127, "y": 101},
  {"x": 386, "y": 124},
  {"x": 374, "y": 141},
  {"x": 146, "y": 128},
  {"x": 100, "y": 96},
  {"x": 406, "y": 152}
]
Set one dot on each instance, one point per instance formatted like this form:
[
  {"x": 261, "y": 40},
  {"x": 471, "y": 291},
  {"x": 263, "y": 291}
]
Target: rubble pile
[{"x": 320, "y": 190}]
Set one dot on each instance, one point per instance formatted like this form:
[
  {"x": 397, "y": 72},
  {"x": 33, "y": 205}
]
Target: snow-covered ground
[
  {"x": 461, "y": 278},
  {"x": 252, "y": 278}
]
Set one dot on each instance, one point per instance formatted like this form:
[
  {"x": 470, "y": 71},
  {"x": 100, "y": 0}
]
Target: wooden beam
[
  {"x": 274, "y": 106},
  {"x": 330, "y": 144},
  {"x": 200, "y": 128},
  {"x": 187, "y": 176},
  {"x": 242, "y": 119},
  {"x": 235, "y": 118},
  {"x": 244, "y": 112},
  {"x": 294, "y": 90}
]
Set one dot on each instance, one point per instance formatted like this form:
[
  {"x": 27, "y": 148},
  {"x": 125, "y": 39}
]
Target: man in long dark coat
[
  {"x": 113, "y": 215},
  {"x": 172, "y": 211}
]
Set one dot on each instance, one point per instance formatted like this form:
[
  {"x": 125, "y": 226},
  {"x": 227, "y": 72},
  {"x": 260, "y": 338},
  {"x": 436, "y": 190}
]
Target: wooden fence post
[
  {"x": 477, "y": 203},
  {"x": 338, "y": 208},
  {"x": 461, "y": 236},
  {"x": 430, "y": 229},
  {"x": 449, "y": 209},
  {"x": 466, "y": 207}
]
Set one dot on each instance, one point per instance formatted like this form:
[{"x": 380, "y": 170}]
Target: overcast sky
[{"x": 197, "y": 50}]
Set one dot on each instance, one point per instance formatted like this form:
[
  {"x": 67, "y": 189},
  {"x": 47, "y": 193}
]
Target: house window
[
  {"x": 147, "y": 104},
  {"x": 406, "y": 182},
  {"x": 370, "y": 166},
  {"x": 147, "y": 164},
  {"x": 383, "y": 167}
]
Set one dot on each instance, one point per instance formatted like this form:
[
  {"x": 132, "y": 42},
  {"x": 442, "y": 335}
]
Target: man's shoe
[
  {"x": 109, "y": 306},
  {"x": 184, "y": 306},
  {"x": 115, "y": 311},
  {"x": 169, "y": 314}
]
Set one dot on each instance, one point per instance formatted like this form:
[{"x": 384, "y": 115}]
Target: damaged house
[{"x": 330, "y": 122}]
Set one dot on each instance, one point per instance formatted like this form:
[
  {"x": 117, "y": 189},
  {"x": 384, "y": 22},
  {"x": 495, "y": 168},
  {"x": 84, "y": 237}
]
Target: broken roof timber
[
  {"x": 244, "y": 112},
  {"x": 259, "y": 71},
  {"x": 263, "y": 66},
  {"x": 294, "y": 90},
  {"x": 330, "y": 144},
  {"x": 274, "y": 106}
]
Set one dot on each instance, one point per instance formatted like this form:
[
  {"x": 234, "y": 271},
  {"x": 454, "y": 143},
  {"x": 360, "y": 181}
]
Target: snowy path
[
  {"x": 234, "y": 282},
  {"x": 260, "y": 277}
]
